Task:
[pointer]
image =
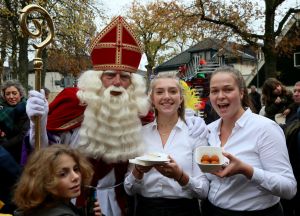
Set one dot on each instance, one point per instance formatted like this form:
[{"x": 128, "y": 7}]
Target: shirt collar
[
  {"x": 243, "y": 119},
  {"x": 180, "y": 124},
  {"x": 240, "y": 122}
]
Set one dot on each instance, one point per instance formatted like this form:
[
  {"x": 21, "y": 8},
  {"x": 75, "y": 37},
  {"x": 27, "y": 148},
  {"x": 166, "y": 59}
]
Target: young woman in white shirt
[
  {"x": 259, "y": 170},
  {"x": 172, "y": 188}
]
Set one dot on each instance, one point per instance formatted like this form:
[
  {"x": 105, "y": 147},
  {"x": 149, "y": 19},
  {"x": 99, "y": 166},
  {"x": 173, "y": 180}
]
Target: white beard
[{"x": 111, "y": 126}]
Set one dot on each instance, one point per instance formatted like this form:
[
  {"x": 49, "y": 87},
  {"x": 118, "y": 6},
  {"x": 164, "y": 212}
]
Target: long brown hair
[
  {"x": 38, "y": 176},
  {"x": 268, "y": 87},
  {"x": 236, "y": 74}
]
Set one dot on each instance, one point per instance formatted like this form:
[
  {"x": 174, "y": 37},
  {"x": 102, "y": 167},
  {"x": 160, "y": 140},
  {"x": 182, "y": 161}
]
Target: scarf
[{"x": 9, "y": 113}]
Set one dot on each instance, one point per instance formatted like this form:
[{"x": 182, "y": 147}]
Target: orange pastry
[
  {"x": 205, "y": 162},
  {"x": 205, "y": 158},
  {"x": 215, "y": 159}
]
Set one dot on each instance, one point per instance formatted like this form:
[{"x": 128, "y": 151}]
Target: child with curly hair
[{"x": 51, "y": 178}]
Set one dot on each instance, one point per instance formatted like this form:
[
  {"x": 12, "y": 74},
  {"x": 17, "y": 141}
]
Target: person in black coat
[
  {"x": 255, "y": 98},
  {"x": 10, "y": 171},
  {"x": 14, "y": 122}
]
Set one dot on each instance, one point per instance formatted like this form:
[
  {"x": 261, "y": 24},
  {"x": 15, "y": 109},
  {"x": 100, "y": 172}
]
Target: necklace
[{"x": 165, "y": 133}]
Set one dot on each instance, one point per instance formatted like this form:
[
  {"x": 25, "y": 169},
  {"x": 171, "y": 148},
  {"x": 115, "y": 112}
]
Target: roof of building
[{"x": 228, "y": 50}]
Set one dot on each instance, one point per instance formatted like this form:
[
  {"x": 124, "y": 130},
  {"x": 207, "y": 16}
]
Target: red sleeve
[{"x": 148, "y": 118}]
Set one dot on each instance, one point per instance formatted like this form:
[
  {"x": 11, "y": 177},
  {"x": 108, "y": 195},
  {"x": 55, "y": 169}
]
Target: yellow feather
[{"x": 190, "y": 97}]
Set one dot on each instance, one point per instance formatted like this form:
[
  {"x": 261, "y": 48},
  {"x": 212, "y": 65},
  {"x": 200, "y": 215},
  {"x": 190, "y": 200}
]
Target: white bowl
[{"x": 209, "y": 150}]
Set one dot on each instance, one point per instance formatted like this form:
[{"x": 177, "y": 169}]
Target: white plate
[
  {"x": 147, "y": 158},
  {"x": 280, "y": 118},
  {"x": 138, "y": 162},
  {"x": 150, "y": 159}
]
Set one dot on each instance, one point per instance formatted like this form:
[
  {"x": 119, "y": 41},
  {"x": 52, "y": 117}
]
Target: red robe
[{"x": 66, "y": 113}]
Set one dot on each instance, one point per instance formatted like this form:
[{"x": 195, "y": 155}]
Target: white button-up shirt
[
  {"x": 181, "y": 147},
  {"x": 259, "y": 142}
]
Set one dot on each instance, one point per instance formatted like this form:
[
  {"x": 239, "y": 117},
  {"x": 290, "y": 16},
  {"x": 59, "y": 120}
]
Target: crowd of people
[{"x": 89, "y": 133}]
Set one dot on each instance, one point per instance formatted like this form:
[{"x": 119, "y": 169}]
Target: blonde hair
[
  {"x": 169, "y": 75},
  {"x": 38, "y": 176}
]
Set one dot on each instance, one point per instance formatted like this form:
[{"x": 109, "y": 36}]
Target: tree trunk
[
  {"x": 148, "y": 75},
  {"x": 269, "y": 48},
  {"x": 270, "y": 63},
  {"x": 3, "y": 48},
  {"x": 45, "y": 65},
  {"x": 23, "y": 61},
  {"x": 1, "y": 71},
  {"x": 13, "y": 60}
]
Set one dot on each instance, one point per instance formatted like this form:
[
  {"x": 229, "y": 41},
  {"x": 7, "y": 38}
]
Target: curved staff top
[{"x": 37, "y": 61}]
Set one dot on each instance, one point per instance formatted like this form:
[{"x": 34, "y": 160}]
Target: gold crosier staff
[{"x": 37, "y": 61}]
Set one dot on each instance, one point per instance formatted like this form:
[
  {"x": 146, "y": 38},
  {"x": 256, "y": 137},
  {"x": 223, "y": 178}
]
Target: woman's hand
[
  {"x": 97, "y": 209},
  {"x": 286, "y": 112},
  {"x": 278, "y": 100},
  {"x": 234, "y": 167},
  {"x": 2, "y": 133},
  {"x": 139, "y": 171},
  {"x": 172, "y": 170}
]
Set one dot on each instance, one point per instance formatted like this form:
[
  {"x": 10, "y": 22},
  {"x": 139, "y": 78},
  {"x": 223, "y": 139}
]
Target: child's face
[
  {"x": 69, "y": 178},
  {"x": 277, "y": 90}
]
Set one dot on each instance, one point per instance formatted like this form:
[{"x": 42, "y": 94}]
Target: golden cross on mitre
[{"x": 116, "y": 47}]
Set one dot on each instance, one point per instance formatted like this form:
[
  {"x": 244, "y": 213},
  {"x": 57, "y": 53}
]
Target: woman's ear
[
  {"x": 242, "y": 94},
  {"x": 181, "y": 100}
]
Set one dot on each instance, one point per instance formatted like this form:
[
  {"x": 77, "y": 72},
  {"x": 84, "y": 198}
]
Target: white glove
[
  {"x": 37, "y": 105},
  {"x": 196, "y": 125}
]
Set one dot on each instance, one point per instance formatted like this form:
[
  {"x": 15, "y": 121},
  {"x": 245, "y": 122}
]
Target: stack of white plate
[{"x": 150, "y": 159}]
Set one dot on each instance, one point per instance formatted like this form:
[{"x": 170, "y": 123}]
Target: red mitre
[
  {"x": 65, "y": 111},
  {"x": 116, "y": 48}
]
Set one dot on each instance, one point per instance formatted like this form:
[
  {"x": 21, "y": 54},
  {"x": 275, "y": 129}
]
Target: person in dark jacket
[
  {"x": 10, "y": 171},
  {"x": 14, "y": 122},
  {"x": 255, "y": 99},
  {"x": 292, "y": 116},
  {"x": 277, "y": 98},
  {"x": 292, "y": 134}
]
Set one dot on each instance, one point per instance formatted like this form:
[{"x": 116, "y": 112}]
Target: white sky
[{"x": 116, "y": 7}]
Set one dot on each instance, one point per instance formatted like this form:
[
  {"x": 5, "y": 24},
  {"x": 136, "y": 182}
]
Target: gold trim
[
  {"x": 115, "y": 67},
  {"x": 72, "y": 122},
  {"x": 122, "y": 23}
]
